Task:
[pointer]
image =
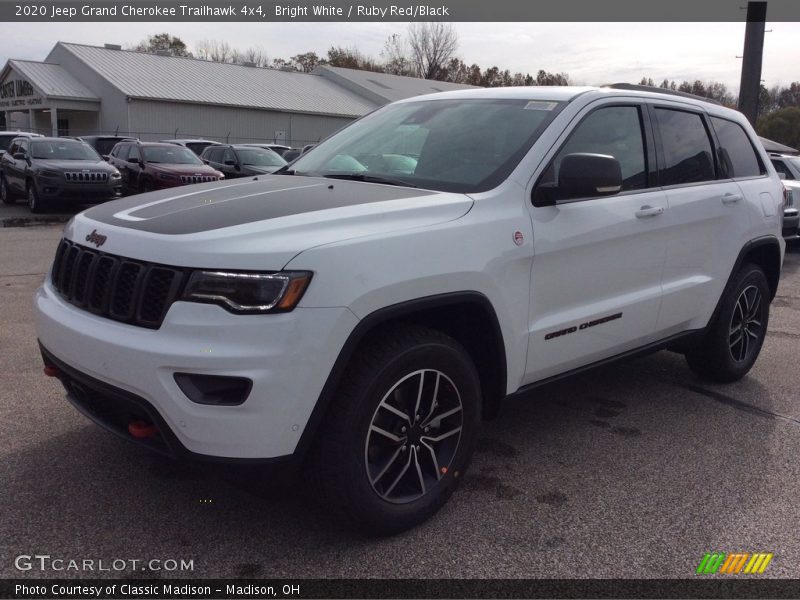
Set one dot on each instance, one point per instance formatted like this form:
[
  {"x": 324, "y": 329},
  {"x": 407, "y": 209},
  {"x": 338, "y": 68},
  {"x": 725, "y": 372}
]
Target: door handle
[
  {"x": 649, "y": 211},
  {"x": 731, "y": 198}
]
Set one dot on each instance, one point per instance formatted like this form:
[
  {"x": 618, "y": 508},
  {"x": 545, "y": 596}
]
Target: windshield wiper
[{"x": 369, "y": 179}]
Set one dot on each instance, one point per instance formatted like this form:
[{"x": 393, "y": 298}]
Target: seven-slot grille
[
  {"x": 86, "y": 177},
  {"x": 197, "y": 178},
  {"x": 132, "y": 291}
]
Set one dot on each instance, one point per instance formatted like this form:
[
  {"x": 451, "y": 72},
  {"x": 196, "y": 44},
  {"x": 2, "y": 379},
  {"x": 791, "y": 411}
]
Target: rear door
[
  {"x": 707, "y": 219},
  {"x": 596, "y": 273}
]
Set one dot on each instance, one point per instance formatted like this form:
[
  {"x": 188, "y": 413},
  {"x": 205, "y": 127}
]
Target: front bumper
[
  {"x": 115, "y": 372},
  {"x": 79, "y": 192}
]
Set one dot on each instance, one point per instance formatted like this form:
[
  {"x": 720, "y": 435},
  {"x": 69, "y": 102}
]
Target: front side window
[
  {"x": 227, "y": 156},
  {"x": 613, "y": 131},
  {"x": 736, "y": 153},
  {"x": 464, "y": 145},
  {"x": 687, "y": 149}
]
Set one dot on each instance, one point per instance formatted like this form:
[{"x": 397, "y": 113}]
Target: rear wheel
[
  {"x": 35, "y": 203},
  {"x": 733, "y": 341},
  {"x": 5, "y": 193},
  {"x": 401, "y": 432}
]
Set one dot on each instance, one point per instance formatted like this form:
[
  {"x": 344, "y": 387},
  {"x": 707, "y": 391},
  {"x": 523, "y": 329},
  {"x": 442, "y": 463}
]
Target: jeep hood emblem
[{"x": 96, "y": 238}]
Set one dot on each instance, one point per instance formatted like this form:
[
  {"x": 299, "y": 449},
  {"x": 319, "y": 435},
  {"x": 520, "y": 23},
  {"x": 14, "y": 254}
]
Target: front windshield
[
  {"x": 258, "y": 157},
  {"x": 463, "y": 145},
  {"x": 63, "y": 151},
  {"x": 171, "y": 155}
]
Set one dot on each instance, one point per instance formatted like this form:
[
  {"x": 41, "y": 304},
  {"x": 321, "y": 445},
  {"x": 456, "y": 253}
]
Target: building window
[{"x": 63, "y": 127}]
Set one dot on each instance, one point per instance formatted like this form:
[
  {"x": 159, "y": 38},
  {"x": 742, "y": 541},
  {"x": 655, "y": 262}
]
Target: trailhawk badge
[{"x": 96, "y": 238}]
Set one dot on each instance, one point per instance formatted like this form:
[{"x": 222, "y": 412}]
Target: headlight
[
  {"x": 248, "y": 293},
  {"x": 48, "y": 173},
  {"x": 167, "y": 176},
  {"x": 115, "y": 175}
]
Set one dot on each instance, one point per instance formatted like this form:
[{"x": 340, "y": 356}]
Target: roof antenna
[
  {"x": 227, "y": 136},
  {"x": 175, "y": 135},
  {"x": 116, "y": 131}
]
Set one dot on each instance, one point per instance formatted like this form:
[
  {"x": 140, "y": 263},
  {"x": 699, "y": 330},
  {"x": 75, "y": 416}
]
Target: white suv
[{"x": 366, "y": 308}]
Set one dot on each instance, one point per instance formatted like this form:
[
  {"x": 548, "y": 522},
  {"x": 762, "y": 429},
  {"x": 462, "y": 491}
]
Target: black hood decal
[{"x": 205, "y": 207}]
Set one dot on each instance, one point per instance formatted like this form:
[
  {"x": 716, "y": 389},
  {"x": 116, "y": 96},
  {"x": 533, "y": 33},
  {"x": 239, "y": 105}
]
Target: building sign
[{"x": 18, "y": 93}]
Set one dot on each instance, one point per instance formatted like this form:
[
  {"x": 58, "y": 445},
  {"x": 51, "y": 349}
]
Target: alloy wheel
[
  {"x": 413, "y": 436},
  {"x": 746, "y": 326}
]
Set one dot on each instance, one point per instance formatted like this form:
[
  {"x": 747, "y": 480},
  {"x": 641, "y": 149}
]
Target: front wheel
[
  {"x": 5, "y": 193},
  {"x": 401, "y": 432},
  {"x": 733, "y": 341},
  {"x": 35, "y": 203}
]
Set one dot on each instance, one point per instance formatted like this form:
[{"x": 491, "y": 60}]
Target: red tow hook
[
  {"x": 51, "y": 371},
  {"x": 142, "y": 430}
]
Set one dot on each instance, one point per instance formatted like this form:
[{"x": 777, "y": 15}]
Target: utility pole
[{"x": 750, "y": 85}]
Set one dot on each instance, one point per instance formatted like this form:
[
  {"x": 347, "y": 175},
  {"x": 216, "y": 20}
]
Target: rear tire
[
  {"x": 401, "y": 431},
  {"x": 733, "y": 342}
]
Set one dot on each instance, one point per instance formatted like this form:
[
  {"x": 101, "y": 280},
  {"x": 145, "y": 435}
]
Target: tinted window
[
  {"x": 781, "y": 168},
  {"x": 197, "y": 147},
  {"x": 614, "y": 131},
  {"x": 212, "y": 154},
  {"x": 228, "y": 155},
  {"x": 104, "y": 146},
  {"x": 736, "y": 155},
  {"x": 687, "y": 149},
  {"x": 5, "y": 141}
]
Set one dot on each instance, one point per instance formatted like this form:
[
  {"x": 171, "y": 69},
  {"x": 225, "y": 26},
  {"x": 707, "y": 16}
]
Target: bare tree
[
  {"x": 307, "y": 61},
  {"x": 215, "y": 51},
  {"x": 396, "y": 56},
  {"x": 256, "y": 56},
  {"x": 432, "y": 46},
  {"x": 161, "y": 42}
]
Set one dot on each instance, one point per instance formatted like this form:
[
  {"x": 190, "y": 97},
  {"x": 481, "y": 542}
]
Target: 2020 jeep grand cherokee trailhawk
[{"x": 366, "y": 307}]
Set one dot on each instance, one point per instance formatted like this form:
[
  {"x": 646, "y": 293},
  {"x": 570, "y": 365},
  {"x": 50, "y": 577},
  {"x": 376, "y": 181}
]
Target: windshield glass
[
  {"x": 63, "y": 151},
  {"x": 260, "y": 158},
  {"x": 463, "y": 145},
  {"x": 172, "y": 155},
  {"x": 795, "y": 162}
]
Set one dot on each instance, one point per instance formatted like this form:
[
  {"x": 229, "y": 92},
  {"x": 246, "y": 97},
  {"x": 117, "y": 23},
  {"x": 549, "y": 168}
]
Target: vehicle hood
[
  {"x": 182, "y": 169},
  {"x": 257, "y": 223},
  {"x": 72, "y": 165}
]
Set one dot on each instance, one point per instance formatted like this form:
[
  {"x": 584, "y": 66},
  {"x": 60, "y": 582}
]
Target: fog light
[{"x": 216, "y": 390}]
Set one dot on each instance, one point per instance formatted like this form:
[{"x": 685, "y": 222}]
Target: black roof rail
[{"x": 659, "y": 90}]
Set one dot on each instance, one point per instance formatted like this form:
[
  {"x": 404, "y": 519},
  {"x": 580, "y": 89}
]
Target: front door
[{"x": 596, "y": 273}]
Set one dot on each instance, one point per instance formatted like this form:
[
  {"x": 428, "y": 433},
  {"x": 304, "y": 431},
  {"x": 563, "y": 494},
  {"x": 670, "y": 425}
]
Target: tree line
[{"x": 429, "y": 51}]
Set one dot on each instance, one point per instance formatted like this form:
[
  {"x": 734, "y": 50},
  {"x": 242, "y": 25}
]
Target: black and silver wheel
[
  {"x": 35, "y": 203},
  {"x": 401, "y": 431},
  {"x": 5, "y": 193},
  {"x": 733, "y": 341}
]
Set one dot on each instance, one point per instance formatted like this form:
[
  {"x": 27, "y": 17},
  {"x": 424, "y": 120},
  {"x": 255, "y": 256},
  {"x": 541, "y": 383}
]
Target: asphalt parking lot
[{"x": 636, "y": 470}]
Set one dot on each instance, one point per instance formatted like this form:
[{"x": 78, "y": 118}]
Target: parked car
[
  {"x": 364, "y": 322},
  {"x": 147, "y": 166},
  {"x": 279, "y": 148},
  {"x": 242, "y": 161},
  {"x": 6, "y": 137},
  {"x": 49, "y": 170},
  {"x": 196, "y": 146},
  {"x": 104, "y": 143},
  {"x": 788, "y": 168}
]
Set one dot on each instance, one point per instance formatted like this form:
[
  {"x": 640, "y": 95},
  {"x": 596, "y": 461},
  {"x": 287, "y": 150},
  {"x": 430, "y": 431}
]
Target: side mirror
[
  {"x": 104, "y": 157},
  {"x": 205, "y": 160},
  {"x": 133, "y": 160},
  {"x": 585, "y": 175},
  {"x": 230, "y": 163},
  {"x": 19, "y": 155}
]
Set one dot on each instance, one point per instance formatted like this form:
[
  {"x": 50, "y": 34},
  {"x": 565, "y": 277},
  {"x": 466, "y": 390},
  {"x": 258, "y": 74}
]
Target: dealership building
[{"x": 85, "y": 90}]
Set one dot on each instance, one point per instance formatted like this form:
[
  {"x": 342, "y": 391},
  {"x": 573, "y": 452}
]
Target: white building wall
[{"x": 154, "y": 120}]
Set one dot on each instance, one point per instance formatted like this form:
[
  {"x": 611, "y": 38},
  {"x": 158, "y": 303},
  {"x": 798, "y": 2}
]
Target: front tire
[
  {"x": 401, "y": 432},
  {"x": 35, "y": 203},
  {"x": 733, "y": 342},
  {"x": 5, "y": 193}
]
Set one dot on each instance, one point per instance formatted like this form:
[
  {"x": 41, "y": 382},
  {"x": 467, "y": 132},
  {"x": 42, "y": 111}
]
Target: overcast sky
[{"x": 591, "y": 53}]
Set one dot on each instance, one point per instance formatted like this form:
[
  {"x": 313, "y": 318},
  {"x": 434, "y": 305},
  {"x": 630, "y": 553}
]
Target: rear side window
[
  {"x": 122, "y": 151},
  {"x": 736, "y": 155},
  {"x": 614, "y": 131},
  {"x": 215, "y": 155},
  {"x": 687, "y": 149}
]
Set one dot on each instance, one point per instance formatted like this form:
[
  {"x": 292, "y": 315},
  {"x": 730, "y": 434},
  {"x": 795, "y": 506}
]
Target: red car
[{"x": 147, "y": 166}]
